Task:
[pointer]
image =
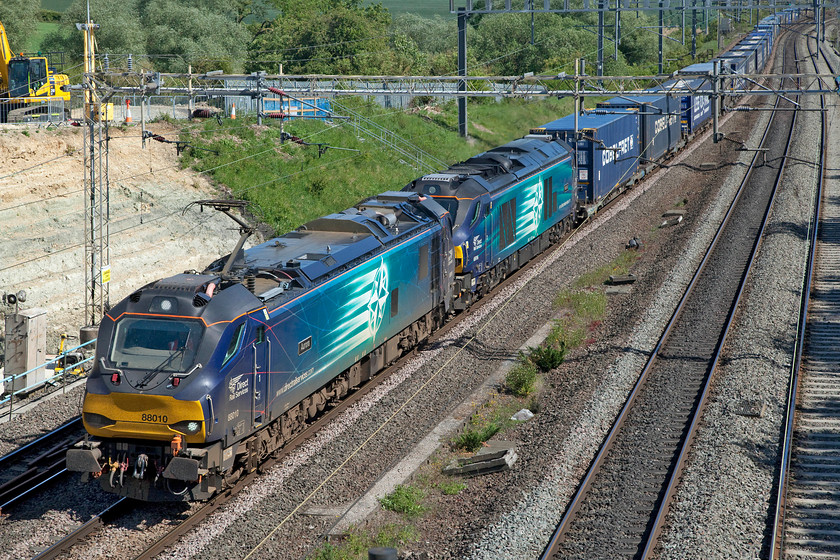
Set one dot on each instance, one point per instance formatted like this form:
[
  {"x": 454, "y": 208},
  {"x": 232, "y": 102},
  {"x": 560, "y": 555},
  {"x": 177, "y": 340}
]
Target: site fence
[{"x": 67, "y": 366}]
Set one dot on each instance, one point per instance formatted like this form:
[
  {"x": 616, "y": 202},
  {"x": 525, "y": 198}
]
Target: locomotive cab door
[{"x": 261, "y": 369}]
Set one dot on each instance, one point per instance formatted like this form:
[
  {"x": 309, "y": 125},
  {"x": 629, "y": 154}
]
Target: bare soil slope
[{"x": 42, "y": 209}]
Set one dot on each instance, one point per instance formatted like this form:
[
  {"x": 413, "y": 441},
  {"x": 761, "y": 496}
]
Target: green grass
[
  {"x": 356, "y": 544},
  {"x": 426, "y": 8},
  {"x": 41, "y": 31},
  {"x": 290, "y": 184},
  {"x": 56, "y": 5},
  {"x": 472, "y": 438},
  {"x": 521, "y": 380},
  {"x": 405, "y": 499},
  {"x": 452, "y": 487},
  {"x": 619, "y": 266}
]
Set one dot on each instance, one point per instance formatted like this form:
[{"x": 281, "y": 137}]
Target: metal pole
[
  {"x": 577, "y": 97},
  {"x": 715, "y": 103},
  {"x": 531, "y": 7},
  {"x": 693, "y": 29},
  {"x": 462, "y": 71},
  {"x": 600, "y": 68},
  {"x": 617, "y": 32},
  {"x": 661, "y": 30}
]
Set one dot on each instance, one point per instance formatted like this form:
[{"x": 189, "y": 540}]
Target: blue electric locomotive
[{"x": 199, "y": 376}]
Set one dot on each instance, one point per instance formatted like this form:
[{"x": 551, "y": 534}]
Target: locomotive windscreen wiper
[{"x": 159, "y": 368}]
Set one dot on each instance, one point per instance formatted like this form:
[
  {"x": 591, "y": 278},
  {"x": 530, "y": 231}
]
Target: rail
[{"x": 778, "y": 536}]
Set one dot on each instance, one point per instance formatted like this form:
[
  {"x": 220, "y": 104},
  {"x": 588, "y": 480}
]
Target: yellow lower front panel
[{"x": 142, "y": 416}]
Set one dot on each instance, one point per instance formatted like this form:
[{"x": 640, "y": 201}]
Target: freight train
[{"x": 200, "y": 376}]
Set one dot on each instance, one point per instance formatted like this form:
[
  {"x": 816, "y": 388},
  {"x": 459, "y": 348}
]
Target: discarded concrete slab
[
  {"x": 674, "y": 212},
  {"x": 707, "y": 166},
  {"x": 622, "y": 279},
  {"x": 751, "y": 408},
  {"x": 495, "y": 457},
  {"x": 618, "y": 290},
  {"x": 671, "y": 221}
]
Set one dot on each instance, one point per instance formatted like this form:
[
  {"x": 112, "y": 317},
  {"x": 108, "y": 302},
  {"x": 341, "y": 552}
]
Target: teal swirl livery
[{"x": 508, "y": 204}]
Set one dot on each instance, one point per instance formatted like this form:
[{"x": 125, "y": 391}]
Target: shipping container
[
  {"x": 607, "y": 151},
  {"x": 696, "y": 109},
  {"x": 659, "y": 122}
]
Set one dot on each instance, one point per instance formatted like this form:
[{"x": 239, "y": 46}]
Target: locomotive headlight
[
  {"x": 163, "y": 305},
  {"x": 97, "y": 420},
  {"x": 186, "y": 427}
]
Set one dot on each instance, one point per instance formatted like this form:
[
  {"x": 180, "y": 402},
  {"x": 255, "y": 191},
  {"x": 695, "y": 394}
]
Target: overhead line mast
[{"x": 97, "y": 189}]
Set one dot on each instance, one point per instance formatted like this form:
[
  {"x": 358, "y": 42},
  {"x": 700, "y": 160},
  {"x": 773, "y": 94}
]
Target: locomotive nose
[{"x": 151, "y": 417}]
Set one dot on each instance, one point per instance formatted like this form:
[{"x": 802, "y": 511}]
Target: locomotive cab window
[
  {"x": 423, "y": 265},
  {"x": 235, "y": 341},
  {"x": 476, "y": 213},
  {"x": 164, "y": 344}
]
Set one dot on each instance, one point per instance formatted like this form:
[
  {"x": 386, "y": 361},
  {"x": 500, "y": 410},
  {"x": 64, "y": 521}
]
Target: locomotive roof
[
  {"x": 314, "y": 251},
  {"x": 491, "y": 170}
]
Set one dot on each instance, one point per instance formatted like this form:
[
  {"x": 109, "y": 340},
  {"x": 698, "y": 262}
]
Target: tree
[
  {"x": 204, "y": 34},
  {"x": 324, "y": 37},
  {"x": 120, "y": 32},
  {"x": 20, "y": 18}
]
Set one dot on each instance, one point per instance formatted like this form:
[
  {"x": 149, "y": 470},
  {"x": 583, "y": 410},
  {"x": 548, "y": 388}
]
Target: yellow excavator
[{"x": 29, "y": 89}]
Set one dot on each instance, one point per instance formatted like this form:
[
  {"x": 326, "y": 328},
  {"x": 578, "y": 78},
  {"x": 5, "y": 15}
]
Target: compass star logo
[
  {"x": 378, "y": 298},
  {"x": 538, "y": 203}
]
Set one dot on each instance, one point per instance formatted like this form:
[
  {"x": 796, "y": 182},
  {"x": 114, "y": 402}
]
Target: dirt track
[{"x": 42, "y": 207}]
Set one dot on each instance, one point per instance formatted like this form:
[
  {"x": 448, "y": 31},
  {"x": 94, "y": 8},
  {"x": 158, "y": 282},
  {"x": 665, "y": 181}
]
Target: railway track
[
  {"x": 807, "y": 513},
  {"x": 619, "y": 507},
  {"x": 37, "y": 463}
]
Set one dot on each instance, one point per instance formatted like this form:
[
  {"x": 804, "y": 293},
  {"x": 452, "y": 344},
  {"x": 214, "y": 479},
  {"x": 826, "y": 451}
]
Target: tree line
[{"x": 336, "y": 37}]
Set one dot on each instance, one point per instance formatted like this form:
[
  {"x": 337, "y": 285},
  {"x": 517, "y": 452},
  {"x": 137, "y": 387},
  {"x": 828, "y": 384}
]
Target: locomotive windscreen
[{"x": 160, "y": 344}]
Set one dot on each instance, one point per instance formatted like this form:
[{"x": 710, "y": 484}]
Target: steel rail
[
  {"x": 91, "y": 526},
  {"x": 599, "y": 459},
  {"x": 70, "y": 425},
  {"x": 777, "y": 539}
]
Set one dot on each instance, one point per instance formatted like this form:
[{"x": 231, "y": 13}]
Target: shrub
[
  {"x": 522, "y": 379},
  {"x": 404, "y": 499},
  {"x": 548, "y": 357},
  {"x": 471, "y": 439}
]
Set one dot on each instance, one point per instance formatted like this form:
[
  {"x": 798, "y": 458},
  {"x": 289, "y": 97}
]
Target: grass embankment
[{"x": 290, "y": 184}]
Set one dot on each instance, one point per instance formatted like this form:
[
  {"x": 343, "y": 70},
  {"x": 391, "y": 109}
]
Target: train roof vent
[
  {"x": 135, "y": 297},
  {"x": 441, "y": 177},
  {"x": 200, "y": 300}
]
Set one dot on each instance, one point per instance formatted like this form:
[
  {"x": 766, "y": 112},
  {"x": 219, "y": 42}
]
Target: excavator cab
[{"x": 26, "y": 75}]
